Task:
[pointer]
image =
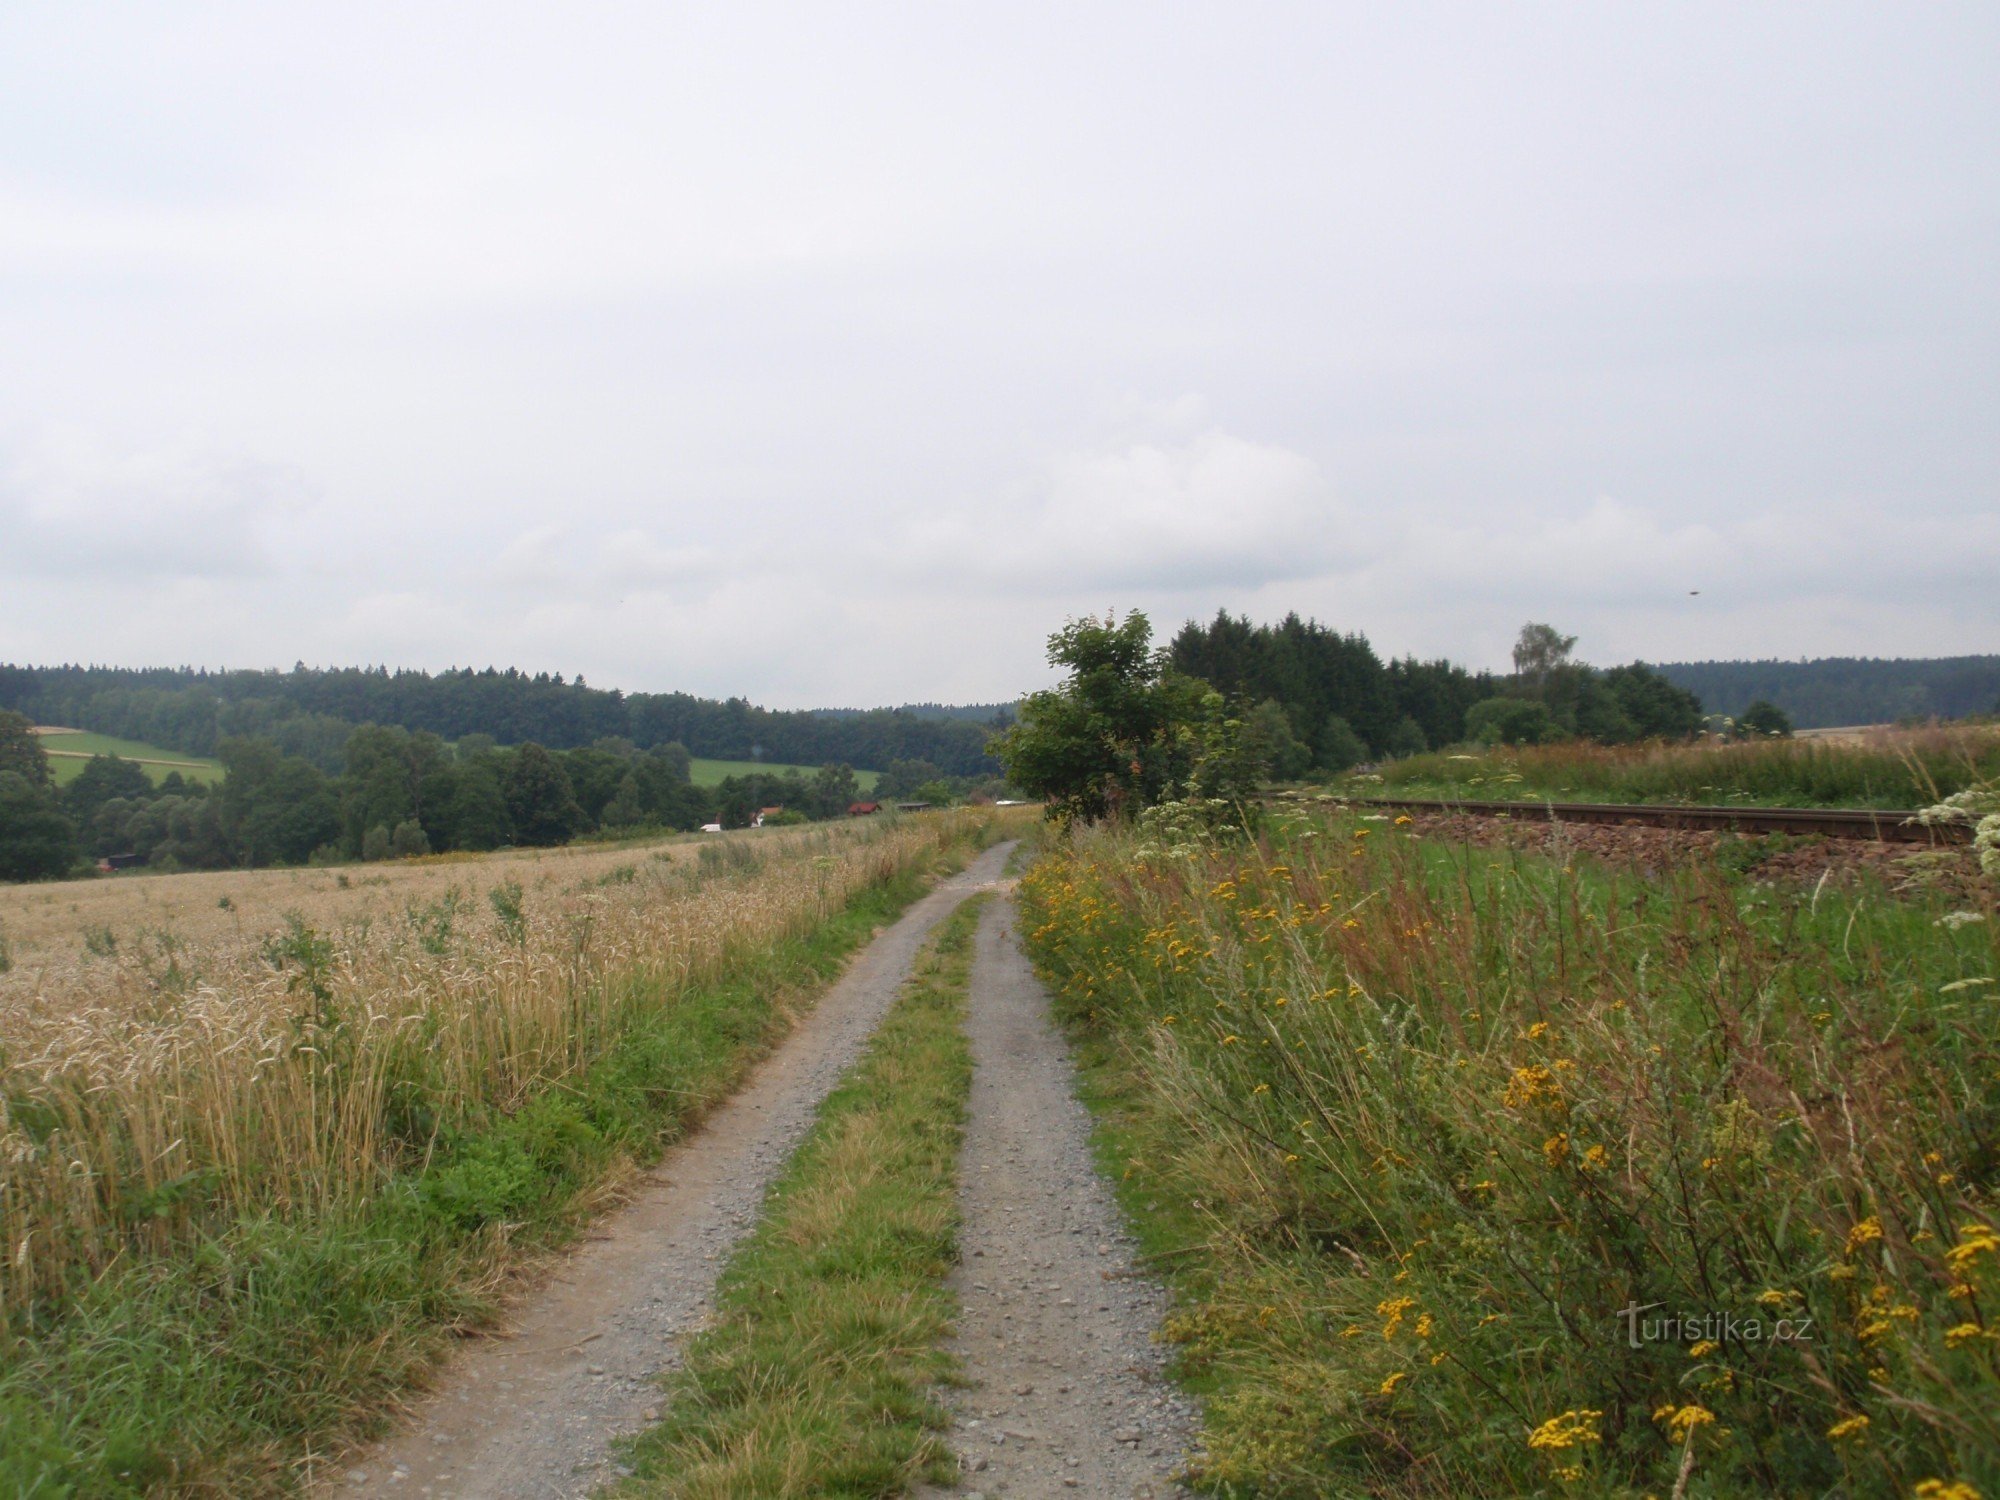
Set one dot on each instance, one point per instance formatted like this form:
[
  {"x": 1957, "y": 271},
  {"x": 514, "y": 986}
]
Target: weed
[
  {"x": 505, "y": 899},
  {"x": 1429, "y": 1127}
]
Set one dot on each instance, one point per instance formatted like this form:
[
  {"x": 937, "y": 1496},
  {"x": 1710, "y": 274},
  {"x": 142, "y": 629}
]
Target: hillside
[
  {"x": 309, "y": 711},
  {"x": 1836, "y": 690}
]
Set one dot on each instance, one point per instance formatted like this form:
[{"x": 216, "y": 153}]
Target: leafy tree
[
  {"x": 1407, "y": 738},
  {"x": 21, "y": 750},
  {"x": 1657, "y": 708},
  {"x": 627, "y": 807},
  {"x": 834, "y": 790},
  {"x": 473, "y": 813},
  {"x": 375, "y": 843},
  {"x": 1270, "y": 738},
  {"x": 1122, "y": 732},
  {"x": 276, "y": 808},
  {"x": 903, "y": 778},
  {"x": 1340, "y": 748},
  {"x": 939, "y": 793},
  {"x": 409, "y": 839},
  {"x": 540, "y": 800},
  {"x": 102, "y": 779},
  {"x": 1765, "y": 718},
  {"x": 674, "y": 759},
  {"x": 1538, "y": 652},
  {"x": 36, "y": 841},
  {"x": 1510, "y": 721}
]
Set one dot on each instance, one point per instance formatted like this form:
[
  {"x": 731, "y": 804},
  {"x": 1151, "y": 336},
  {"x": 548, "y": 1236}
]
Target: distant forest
[
  {"x": 1836, "y": 690},
  {"x": 309, "y": 712}
]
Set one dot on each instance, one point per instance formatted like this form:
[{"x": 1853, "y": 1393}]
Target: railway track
[{"x": 1884, "y": 824}]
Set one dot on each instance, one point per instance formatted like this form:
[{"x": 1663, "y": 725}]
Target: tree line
[
  {"x": 1229, "y": 705},
  {"x": 1318, "y": 699},
  {"x": 399, "y": 792},
  {"x": 1836, "y": 690},
  {"x": 308, "y": 712}
]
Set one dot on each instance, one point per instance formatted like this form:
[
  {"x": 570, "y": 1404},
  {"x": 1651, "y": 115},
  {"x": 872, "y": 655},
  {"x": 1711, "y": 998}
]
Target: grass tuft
[{"x": 818, "y": 1377}]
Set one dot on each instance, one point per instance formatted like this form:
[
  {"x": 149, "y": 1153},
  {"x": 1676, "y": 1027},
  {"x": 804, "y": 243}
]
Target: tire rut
[
  {"x": 531, "y": 1414},
  {"x": 1066, "y": 1392}
]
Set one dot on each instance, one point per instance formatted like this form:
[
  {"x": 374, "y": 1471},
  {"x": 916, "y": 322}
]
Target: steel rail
[{"x": 1885, "y": 824}]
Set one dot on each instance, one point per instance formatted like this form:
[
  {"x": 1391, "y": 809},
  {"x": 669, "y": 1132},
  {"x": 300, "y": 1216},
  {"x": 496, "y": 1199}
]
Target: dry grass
[{"x": 177, "y": 1051}]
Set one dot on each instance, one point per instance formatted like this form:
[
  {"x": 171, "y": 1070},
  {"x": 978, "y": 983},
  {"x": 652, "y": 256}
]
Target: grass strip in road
[
  {"x": 213, "y": 1371},
  {"x": 818, "y": 1376}
]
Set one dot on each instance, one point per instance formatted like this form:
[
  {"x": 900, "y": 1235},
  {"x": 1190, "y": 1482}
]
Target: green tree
[
  {"x": 474, "y": 812},
  {"x": 21, "y": 750},
  {"x": 1122, "y": 732},
  {"x": 540, "y": 800},
  {"x": 1340, "y": 748},
  {"x": 1539, "y": 652},
  {"x": 36, "y": 841},
  {"x": 1269, "y": 737},
  {"x": 104, "y": 778},
  {"x": 409, "y": 839},
  {"x": 1509, "y": 721},
  {"x": 1407, "y": 738},
  {"x": 834, "y": 790},
  {"x": 1764, "y": 718}
]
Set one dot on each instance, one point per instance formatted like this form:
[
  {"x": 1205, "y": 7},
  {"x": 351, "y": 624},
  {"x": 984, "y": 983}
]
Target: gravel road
[
  {"x": 1055, "y": 1332},
  {"x": 530, "y": 1415}
]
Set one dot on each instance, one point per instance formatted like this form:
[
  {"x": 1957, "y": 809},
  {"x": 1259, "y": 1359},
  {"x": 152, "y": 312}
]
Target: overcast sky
[{"x": 834, "y": 354}]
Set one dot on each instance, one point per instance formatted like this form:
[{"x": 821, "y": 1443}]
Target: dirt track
[
  {"x": 1064, "y": 1393},
  {"x": 530, "y": 1415}
]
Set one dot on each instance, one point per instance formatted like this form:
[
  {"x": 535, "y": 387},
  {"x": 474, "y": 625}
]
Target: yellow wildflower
[
  {"x": 1389, "y": 1385},
  {"x": 1680, "y": 1421},
  {"x": 1944, "y": 1489},
  {"x": 1572, "y": 1429},
  {"x": 1867, "y": 1232},
  {"x": 1703, "y": 1349},
  {"x": 1974, "y": 1240},
  {"x": 1851, "y": 1427}
]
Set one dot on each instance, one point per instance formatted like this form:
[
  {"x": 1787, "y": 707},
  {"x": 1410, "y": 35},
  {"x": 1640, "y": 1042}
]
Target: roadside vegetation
[
  {"x": 819, "y": 1375},
  {"x": 1482, "y": 1174},
  {"x": 250, "y": 1178},
  {"x": 1884, "y": 768}
]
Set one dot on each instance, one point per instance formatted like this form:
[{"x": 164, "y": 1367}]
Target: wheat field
[{"x": 179, "y": 1050}]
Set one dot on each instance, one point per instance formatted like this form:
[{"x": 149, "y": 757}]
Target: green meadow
[
  {"x": 70, "y": 751},
  {"x": 712, "y": 772}
]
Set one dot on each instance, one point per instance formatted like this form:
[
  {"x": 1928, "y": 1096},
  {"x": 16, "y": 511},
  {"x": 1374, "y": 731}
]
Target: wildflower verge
[
  {"x": 816, "y": 1378},
  {"x": 1481, "y": 1174}
]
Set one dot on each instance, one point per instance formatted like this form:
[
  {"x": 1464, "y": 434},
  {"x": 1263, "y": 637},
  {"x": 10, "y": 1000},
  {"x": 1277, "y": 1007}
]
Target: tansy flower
[
  {"x": 1389, "y": 1385},
  {"x": 1851, "y": 1427},
  {"x": 1867, "y": 1232},
  {"x": 1680, "y": 1421},
  {"x": 1572, "y": 1429},
  {"x": 1944, "y": 1489}
]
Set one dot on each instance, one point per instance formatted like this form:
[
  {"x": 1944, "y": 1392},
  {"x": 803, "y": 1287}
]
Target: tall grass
[
  {"x": 1429, "y": 1118},
  {"x": 1885, "y": 768},
  {"x": 158, "y": 1087}
]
